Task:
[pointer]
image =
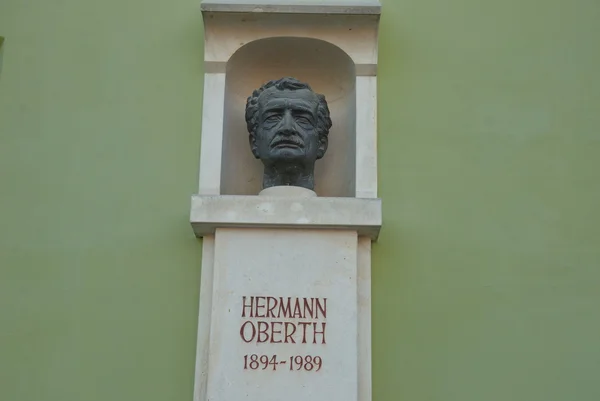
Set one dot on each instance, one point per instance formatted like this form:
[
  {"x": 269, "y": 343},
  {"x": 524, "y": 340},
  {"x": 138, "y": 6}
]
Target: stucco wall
[{"x": 485, "y": 278}]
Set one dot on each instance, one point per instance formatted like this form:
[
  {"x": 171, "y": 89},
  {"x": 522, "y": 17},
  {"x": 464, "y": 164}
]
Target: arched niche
[{"x": 328, "y": 70}]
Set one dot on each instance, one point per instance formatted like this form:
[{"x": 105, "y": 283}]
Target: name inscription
[
  {"x": 280, "y": 331},
  {"x": 283, "y": 320}
]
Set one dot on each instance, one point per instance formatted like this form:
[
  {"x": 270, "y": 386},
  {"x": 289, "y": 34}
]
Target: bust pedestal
[
  {"x": 284, "y": 316},
  {"x": 284, "y": 321},
  {"x": 287, "y": 310}
]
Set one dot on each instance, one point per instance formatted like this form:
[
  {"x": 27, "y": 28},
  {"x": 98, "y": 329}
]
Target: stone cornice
[
  {"x": 209, "y": 212},
  {"x": 348, "y": 7}
]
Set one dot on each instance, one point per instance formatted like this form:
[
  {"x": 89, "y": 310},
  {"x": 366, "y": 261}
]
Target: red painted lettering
[
  {"x": 270, "y": 307},
  {"x": 284, "y": 308},
  {"x": 259, "y": 306},
  {"x": 304, "y": 324},
  {"x": 243, "y": 332},
  {"x": 322, "y": 308},
  {"x": 322, "y": 333},
  {"x": 263, "y": 328},
  {"x": 288, "y": 335},
  {"x": 309, "y": 306},
  {"x": 297, "y": 310},
  {"x": 274, "y": 331},
  {"x": 245, "y": 305}
]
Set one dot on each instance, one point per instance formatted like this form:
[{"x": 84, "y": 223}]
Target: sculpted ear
[
  {"x": 253, "y": 146},
  {"x": 323, "y": 142}
]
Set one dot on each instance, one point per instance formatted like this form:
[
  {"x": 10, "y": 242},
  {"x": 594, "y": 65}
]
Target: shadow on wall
[{"x": 1, "y": 49}]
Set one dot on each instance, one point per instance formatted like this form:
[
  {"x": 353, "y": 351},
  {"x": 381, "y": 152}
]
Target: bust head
[{"x": 288, "y": 125}]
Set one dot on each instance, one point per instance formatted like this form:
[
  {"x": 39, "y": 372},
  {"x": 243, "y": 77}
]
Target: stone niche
[
  {"x": 330, "y": 45},
  {"x": 329, "y": 70},
  {"x": 287, "y": 248}
]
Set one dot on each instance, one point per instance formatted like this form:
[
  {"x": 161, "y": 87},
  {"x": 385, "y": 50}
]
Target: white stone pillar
[{"x": 285, "y": 297}]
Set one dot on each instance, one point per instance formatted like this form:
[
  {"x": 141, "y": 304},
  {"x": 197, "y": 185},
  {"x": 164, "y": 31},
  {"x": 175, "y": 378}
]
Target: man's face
[{"x": 287, "y": 127}]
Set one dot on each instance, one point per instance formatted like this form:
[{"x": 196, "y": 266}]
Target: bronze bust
[{"x": 288, "y": 125}]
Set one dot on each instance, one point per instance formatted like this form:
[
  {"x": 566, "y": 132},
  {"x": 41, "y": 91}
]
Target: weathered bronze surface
[{"x": 288, "y": 125}]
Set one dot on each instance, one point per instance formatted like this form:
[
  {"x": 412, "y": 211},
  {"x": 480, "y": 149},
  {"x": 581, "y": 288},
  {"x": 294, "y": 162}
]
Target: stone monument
[{"x": 285, "y": 288}]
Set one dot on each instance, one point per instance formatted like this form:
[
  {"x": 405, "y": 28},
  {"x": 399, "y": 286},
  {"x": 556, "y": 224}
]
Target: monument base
[
  {"x": 284, "y": 315},
  {"x": 285, "y": 296}
]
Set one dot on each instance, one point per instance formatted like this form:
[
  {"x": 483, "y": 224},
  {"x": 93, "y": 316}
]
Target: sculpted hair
[{"x": 323, "y": 118}]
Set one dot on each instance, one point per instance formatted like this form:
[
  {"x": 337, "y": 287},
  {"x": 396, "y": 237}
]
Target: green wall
[{"x": 486, "y": 278}]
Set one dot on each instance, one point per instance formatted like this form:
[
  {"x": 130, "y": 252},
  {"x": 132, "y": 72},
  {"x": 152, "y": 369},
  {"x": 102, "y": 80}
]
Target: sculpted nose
[{"x": 287, "y": 123}]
